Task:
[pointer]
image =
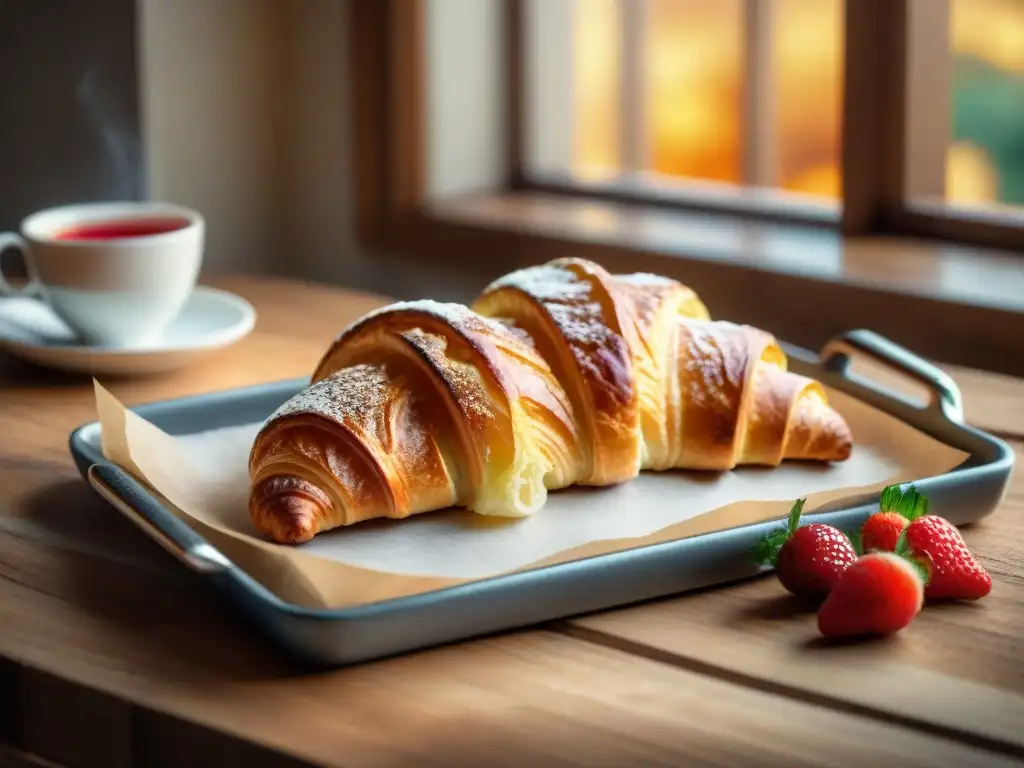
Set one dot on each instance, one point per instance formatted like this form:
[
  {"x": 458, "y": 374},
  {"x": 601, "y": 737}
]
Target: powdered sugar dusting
[
  {"x": 647, "y": 280},
  {"x": 581, "y": 324},
  {"x": 450, "y": 337},
  {"x": 545, "y": 283},
  {"x": 346, "y": 395},
  {"x": 569, "y": 301},
  {"x": 521, "y": 335},
  {"x": 462, "y": 380},
  {"x": 456, "y": 315},
  {"x": 449, "y": 312},
  {"x": 394, "y": 418}
]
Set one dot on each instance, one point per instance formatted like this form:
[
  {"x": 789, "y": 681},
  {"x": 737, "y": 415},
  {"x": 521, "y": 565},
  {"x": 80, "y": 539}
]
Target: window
[
  {"x": 716, "y": 92},
  {"x": 984, "y": 78},
  {"x": 746, "y": 105}
]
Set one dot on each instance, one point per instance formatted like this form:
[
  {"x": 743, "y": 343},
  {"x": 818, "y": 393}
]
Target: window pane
[
  {"x": 694, "y": 59},
  {"x": 596, "y": 83},
  {"x": 985, "y": 156},
  {"x": 808, "y": 56},
  {"x": 669, "y": 95}
]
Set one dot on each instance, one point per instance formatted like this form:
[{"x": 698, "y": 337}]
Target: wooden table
[{"x": 112, "y": 655}]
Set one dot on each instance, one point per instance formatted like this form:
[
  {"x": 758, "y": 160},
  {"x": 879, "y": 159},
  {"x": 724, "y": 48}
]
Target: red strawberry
[
  {"x": 807, "y": 559},
  {"x": 896, "y": 508},
  {"x": 881, "y": 531},
  {"x": 955, "y": 574},
  {"x": 879, "y": 594}
]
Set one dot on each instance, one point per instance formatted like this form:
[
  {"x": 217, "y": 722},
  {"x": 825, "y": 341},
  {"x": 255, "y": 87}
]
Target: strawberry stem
[
  {"x": 793, "y": 522},
  {"x": 766, "y": 551},
  {"x": 921, "y": 564},
  {"x": 902, "y": 547},
  {"x": 908, "y": 503}
]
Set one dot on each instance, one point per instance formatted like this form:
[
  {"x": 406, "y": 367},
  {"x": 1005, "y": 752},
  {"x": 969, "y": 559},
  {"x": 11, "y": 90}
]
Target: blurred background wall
[
  {"x": 236, "y": 107},
  {"x": 69, "y": 109},
  {"x": 246, "y": 116},
  {"x": 211, "y": 80}
]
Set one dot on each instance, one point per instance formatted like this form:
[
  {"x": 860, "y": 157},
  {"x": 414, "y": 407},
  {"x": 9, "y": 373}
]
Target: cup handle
[{"x": 34, "y": 287}]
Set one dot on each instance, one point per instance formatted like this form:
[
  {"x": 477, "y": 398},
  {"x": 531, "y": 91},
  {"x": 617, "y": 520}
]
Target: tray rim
[{"x": 1002, "y": 460}]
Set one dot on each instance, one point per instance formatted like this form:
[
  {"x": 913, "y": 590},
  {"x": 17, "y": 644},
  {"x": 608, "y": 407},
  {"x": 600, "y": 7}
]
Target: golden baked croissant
[{"x": 557, "y": 375}]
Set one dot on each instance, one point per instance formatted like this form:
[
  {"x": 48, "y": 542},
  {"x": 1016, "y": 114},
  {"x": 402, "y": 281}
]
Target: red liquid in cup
[{"x": 113, "y": 230}]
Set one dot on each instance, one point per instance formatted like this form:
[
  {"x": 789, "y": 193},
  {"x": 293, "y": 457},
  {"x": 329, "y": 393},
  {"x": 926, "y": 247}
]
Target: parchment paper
[{"x": 204, "y": 478}]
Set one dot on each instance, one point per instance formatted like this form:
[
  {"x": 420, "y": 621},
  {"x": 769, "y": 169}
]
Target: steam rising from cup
[{"x": 120, "y": 146}]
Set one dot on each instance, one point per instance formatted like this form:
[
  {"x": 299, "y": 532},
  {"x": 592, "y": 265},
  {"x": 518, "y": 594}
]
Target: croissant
[{"x": 558, "y": 374}]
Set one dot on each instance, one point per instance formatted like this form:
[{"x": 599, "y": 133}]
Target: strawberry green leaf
[
  {"x": 902, "y": 547},
  {"x": 921, "y": 564},
  {"x": 908, "y": 503},
  {"x": 766, "y": 551},
  {"x": 794, "y": 515},
  {"x": 923, "y": 567}
]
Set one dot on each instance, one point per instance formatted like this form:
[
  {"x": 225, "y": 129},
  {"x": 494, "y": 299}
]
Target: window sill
[{"x": 955, "y": 304}]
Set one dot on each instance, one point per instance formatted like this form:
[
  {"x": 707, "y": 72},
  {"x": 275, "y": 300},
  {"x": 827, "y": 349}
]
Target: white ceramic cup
[{"x": 117, "y": 273}]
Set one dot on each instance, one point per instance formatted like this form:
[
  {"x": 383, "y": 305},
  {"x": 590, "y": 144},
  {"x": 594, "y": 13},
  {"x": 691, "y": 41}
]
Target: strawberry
[
  {"x": 879, "y": 594},
  {"x": 807, "y": 559},
  {"x": 895, "y": 509},
  {"x": 955, "y": 573},
  {"x": 881, "y": 531}
]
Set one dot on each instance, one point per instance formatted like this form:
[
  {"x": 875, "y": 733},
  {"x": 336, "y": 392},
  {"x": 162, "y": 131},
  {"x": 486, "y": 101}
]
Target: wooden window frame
[{"x": 895, "y": 61}]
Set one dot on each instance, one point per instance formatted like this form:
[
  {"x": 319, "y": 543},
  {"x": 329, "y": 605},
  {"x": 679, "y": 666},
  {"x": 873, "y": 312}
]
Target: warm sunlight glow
[
  {"x": 694, "y": 63},
  {"x": 993, "y": 31},
  {"x": 970, "y": 177},
  {"x": 596, "y": 87},
  {"x": 693, "y": 68},
  {"x": 990, "y": 29},
  {"x": 808, "y": 48},
  {"x": 824, "y": 180}
]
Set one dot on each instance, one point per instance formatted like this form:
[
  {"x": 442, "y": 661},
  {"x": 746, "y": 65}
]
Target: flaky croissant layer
[{"x": 557, "y": 375}]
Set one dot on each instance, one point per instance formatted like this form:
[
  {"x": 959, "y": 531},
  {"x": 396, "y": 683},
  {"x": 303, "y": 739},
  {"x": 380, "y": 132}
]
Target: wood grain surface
[{"x": 111, "y": 654}]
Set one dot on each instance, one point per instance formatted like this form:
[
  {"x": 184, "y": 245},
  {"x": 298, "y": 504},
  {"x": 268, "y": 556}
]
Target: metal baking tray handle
[
  {"x": 135, "y": 501},
  {"x": 945, "y": 394}
]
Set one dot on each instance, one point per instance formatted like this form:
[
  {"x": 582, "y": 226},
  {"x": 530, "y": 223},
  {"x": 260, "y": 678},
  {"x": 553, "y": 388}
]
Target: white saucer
[{"x": 211, "y": 320}]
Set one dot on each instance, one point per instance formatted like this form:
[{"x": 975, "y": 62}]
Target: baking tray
[{"x": 964, "y": 495}]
